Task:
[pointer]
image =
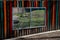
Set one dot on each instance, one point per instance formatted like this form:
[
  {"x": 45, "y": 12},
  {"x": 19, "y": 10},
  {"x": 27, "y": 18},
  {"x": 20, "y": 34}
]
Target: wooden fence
[{"x": 52, "y": 17}]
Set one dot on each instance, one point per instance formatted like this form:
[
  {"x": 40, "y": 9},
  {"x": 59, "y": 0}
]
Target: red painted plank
[{"x": 10, "y": 18}]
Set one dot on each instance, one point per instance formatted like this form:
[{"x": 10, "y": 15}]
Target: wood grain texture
[{"x": 5, "y": 25}]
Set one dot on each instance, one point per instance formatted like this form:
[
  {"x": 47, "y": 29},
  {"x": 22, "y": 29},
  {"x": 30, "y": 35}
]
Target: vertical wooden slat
[
  {"x": 45, "y": 4},
  {"x": 32, "y": 3},
  {"x": 41, "y": 2},
  {"x": 22, "y": 3},
  {"x": 26, "y": 31},
  {"x": 1, "y": 20},
  {"x": 35, "y": 3},
  {"x": 20, "y": 32},
  {"x": 29, "y": 31},
  {"x": 59, "y": 14},
  {"x": 10, "y": 18},
  {"x": 7, "y": 16},
  {"x": 15, "y": 3},
  {"x": 23, "y": 32},
  {"x": 29, "y": 3},
  {"x": 49, "y": 15},
  {"x": 53, "y": 3},
  {"x": 57, "y": 27},
  {"x": 53, "y": 15},
  {"x": 5, "y": 25},
  {"x": 15, "y": 33}
]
